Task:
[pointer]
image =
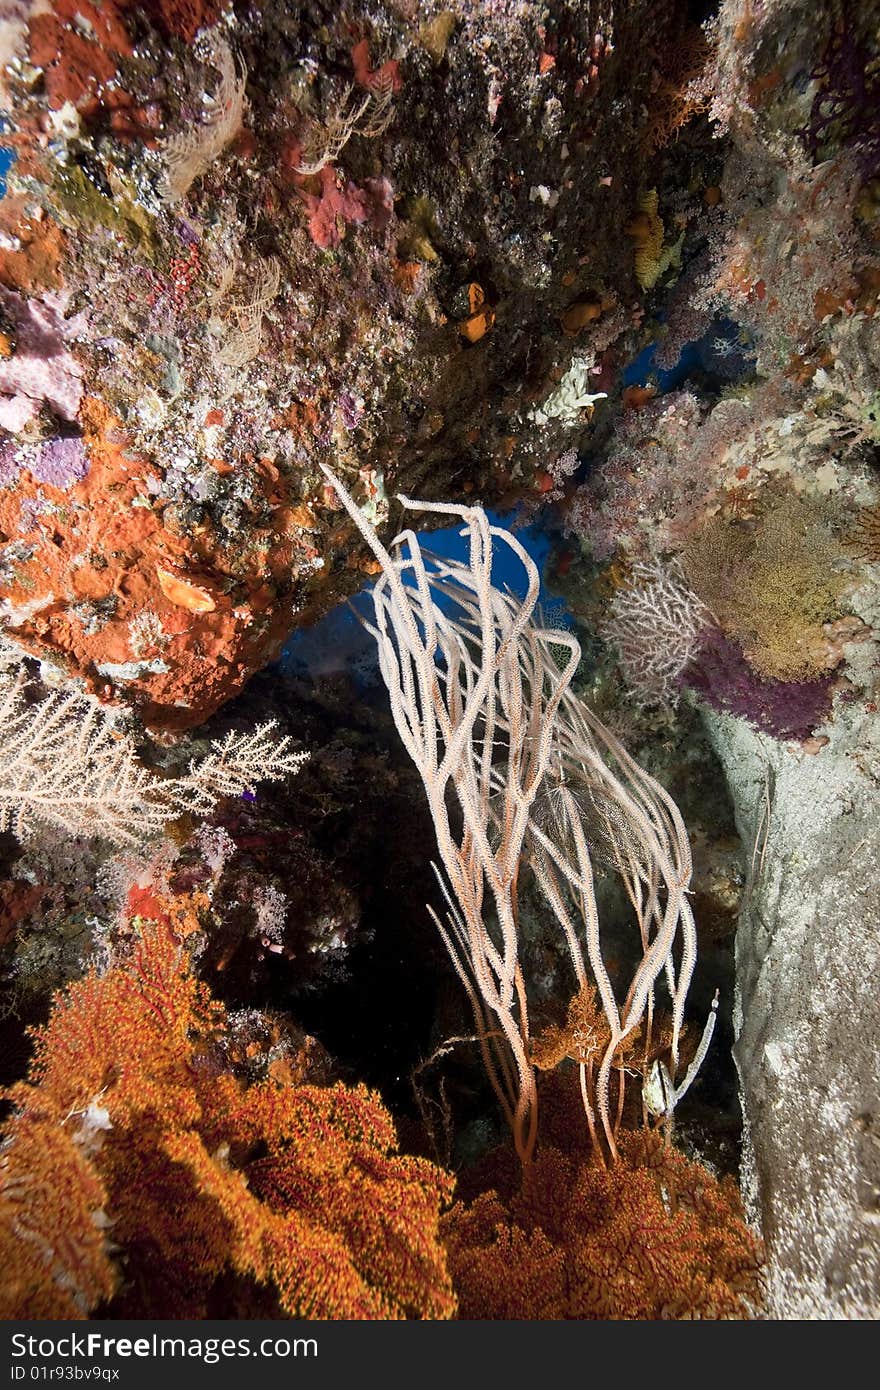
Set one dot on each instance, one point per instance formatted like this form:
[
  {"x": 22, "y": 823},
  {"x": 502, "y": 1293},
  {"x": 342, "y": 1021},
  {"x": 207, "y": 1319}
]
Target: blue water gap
[
  {"x": 339, "y": 643},
  {"x": 6, "y": 157}
]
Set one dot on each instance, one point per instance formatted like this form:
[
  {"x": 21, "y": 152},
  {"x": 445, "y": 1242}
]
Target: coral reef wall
[
  {"x": 808, "y": 1020},
  {"x": 733, "y": 520},
  {"x": 384, "y": 233},
  {"x": 616, "y": 263}
]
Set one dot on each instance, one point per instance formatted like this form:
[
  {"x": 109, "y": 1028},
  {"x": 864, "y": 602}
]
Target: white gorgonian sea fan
[
  {"x": 63, "y": 765},
  {"x": 656, "y": 623}
]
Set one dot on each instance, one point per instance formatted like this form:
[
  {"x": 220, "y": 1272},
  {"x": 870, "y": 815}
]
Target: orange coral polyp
[{"x": 183, "y": 593}]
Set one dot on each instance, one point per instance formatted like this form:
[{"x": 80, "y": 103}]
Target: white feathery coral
[
  {"x": 64, "y": 765},
  {"x": 192, "y": 151}
]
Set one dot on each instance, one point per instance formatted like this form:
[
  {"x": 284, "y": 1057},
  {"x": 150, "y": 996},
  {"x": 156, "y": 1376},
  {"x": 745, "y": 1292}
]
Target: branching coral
[
  {"x": 191, "y": 152},
  {"x": 655, "y": 622},
  {"x": 785, "y": 709},
  {"x": 846, "y": 94},
  {"x": 655, "y": 1236},
  {"x": 65, "y": 766},
  {"x": 137, "y": 1169},
  {"x": 681, "y": 87},
  {"x": 246, "y": 340},
  {"x": 772, "y": 589},
  {"x": 666, "y": 464}
]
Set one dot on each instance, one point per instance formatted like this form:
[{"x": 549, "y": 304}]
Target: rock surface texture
[{"x": 808, "y": 1013}]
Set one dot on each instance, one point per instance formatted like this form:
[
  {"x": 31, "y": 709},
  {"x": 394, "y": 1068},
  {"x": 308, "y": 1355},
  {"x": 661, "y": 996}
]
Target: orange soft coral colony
[
  {"x": 138, "y": 1173},
  {"x": 654, "y": 1236}
]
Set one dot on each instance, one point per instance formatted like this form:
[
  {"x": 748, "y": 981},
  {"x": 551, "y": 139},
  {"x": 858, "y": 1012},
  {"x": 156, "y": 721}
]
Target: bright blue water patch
[
  {"x": 339, "y": 643},
  {"x": 507, "y": 571},
  {"x": 6, "y": 158},
  {"x": 721, "y": 353},
  {"x": 643, "y": 368}
]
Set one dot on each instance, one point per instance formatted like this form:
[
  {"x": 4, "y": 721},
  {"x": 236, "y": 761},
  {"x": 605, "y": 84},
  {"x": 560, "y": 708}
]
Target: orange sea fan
[
  {"x": 653, "y": 1236},
  {"x": 682, "y": 88},
  {"x": 215, "y": 1197}
]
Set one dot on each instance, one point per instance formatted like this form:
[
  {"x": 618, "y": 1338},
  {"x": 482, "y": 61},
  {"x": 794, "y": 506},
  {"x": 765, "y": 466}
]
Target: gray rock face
[{"x": 808, "y": 1003}]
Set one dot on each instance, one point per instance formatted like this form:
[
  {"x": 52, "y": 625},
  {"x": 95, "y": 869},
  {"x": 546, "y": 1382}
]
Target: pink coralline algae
[
  {"x": 61, "y": 462},
  {"x": 56, "y": 462},
  {"x": 42, "y": 371},
  {"x": 381, "y": 206},
  {"x": 339, "y": 202}
]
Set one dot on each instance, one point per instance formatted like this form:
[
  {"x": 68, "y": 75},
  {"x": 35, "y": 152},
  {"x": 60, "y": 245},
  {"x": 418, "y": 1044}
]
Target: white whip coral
[{"x": 485, "y": 712}]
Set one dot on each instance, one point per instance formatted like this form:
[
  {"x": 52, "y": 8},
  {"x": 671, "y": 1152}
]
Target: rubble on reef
[{"x": 603, "y": 273}]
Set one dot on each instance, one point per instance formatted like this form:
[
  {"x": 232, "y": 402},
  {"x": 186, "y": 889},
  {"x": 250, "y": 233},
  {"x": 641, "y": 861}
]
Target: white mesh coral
[{"x": 656, "y": 623}]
